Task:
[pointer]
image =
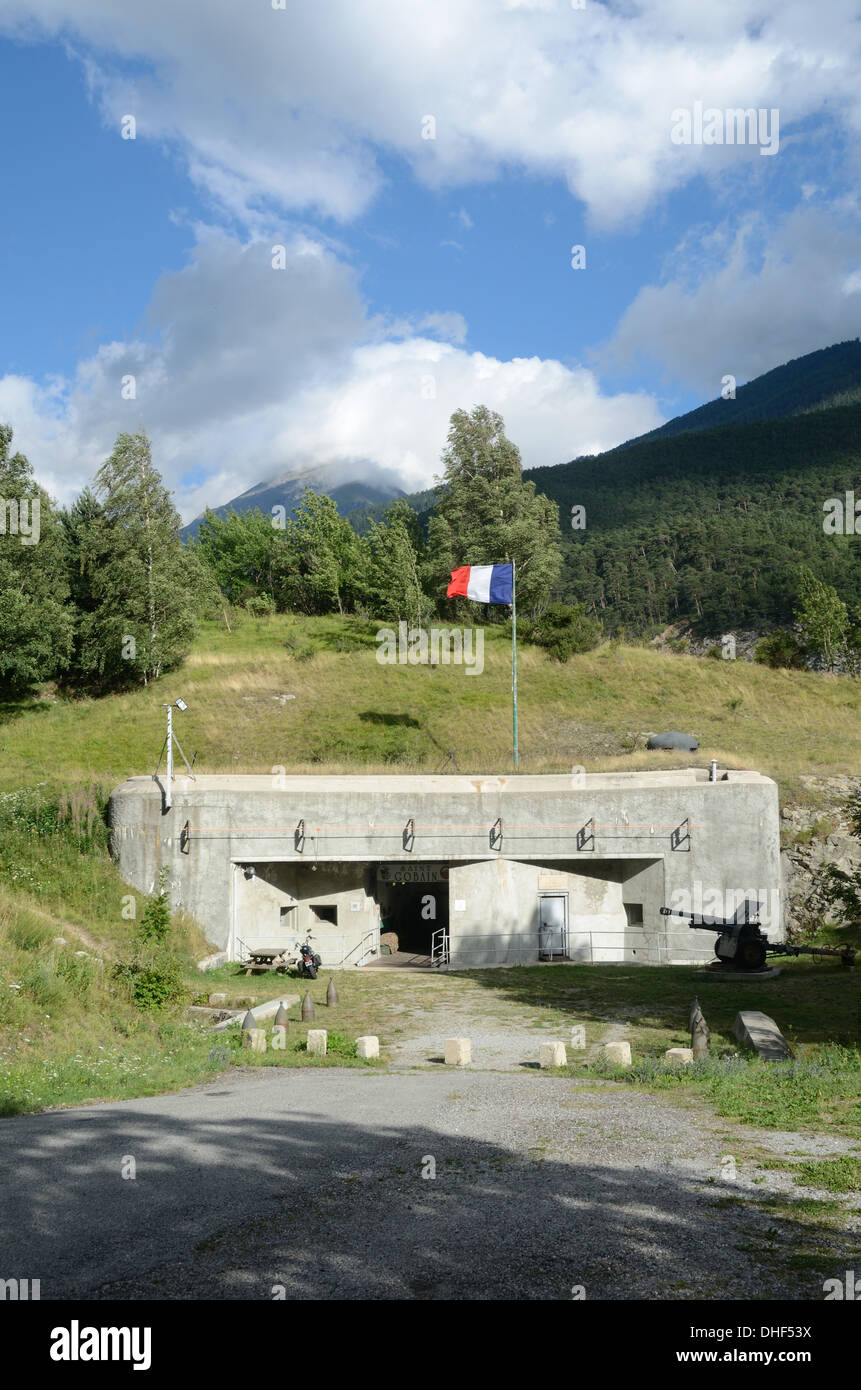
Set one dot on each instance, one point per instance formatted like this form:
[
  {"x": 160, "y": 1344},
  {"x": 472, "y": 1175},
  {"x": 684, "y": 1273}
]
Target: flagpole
[{"x": 514, "y": 657}]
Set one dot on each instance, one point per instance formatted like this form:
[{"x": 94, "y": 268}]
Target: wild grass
[{"x": 349, "y": 712}]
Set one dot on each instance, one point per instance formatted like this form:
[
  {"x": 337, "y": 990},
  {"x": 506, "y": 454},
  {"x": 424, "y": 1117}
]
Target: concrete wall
[
  {"x": 277, "y": 908},
  {"x": 632, "y": 850}
]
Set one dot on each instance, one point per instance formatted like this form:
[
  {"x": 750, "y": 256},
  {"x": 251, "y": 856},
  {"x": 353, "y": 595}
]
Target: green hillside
[
  {"x": 711, "y": 526},
  {"x": 709, "y": 517},
  {"x": 816, "y": 381}
]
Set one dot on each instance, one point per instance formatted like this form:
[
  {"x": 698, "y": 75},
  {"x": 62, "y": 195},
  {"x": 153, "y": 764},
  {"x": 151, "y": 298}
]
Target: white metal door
[{"x": 552, "y": 924}]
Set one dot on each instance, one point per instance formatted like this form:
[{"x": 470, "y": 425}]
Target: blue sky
[{"x": 421, "y": 275}]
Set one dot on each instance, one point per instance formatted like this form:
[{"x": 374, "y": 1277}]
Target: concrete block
[
  {"x": 682, "y": 1056},
  {"x": 317, "y": 1042},
  {"x": 218, "y": 1001},
  {"x": 368, "y": 1046},
  {"x": 552, "y": 1054},
  {"x": 619, "y": 1053},
  {"x": 760, "y": 1032},
  {"x": 269, "y": 1008},
  {"x": 212, "y": 962},
  {"x": 255, "y": 1038},
  {"x": 458, "y": 1052}
]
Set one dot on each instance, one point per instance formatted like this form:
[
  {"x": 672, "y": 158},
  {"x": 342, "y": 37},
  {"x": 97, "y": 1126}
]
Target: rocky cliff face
[{"x": 815, "y": 832}]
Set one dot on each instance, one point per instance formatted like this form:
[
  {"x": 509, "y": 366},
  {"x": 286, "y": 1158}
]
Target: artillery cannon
[{"x": 742, "y": 944}]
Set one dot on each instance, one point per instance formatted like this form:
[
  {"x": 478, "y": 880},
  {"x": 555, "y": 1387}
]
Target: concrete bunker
[{"x": 470, "y": 871}]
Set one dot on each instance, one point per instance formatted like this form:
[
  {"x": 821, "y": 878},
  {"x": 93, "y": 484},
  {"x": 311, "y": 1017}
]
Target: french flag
[{"x": 483, "y": 583}]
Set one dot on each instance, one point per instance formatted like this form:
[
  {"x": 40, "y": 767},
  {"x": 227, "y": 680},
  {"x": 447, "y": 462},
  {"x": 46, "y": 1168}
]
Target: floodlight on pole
[{"x": 170, "y": 740}]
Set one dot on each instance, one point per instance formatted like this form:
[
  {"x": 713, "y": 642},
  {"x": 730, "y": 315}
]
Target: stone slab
[
  {"x": 267, "y": 1009},
  {"x": 552, "y": 1054},
  {"x": 759, "y": 1031},
  {"x": 368, "y": 1046},
  {"x": 212, "y": 962},
  {"x": 734, "y": 976}
]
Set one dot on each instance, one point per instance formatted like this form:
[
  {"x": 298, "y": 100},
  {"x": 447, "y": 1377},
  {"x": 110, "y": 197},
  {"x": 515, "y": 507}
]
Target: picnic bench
[{"x": 261, "y": 958}]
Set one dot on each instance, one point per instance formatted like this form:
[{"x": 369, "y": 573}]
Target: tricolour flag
[{"x": 483, "y": 583}]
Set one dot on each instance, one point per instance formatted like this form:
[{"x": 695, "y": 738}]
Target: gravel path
[{"x": 312, "y": 1180}]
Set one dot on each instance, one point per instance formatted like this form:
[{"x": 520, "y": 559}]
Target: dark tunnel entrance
[{"x": 414, "y": 911}]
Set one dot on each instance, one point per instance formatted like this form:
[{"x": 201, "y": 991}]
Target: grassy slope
[{"x": 351, "y": 712}]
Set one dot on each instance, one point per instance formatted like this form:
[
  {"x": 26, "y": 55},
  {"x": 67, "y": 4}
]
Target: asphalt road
[{"x": 311, "y": 1181}]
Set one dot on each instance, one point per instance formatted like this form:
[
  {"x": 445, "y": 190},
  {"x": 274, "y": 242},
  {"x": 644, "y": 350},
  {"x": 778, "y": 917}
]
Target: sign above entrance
[{"x": 412, "y": 873}]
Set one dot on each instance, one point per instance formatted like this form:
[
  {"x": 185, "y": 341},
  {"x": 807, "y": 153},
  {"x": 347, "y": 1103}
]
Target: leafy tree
[
  {"x": 37, "y": 621},
  {"x": 393, "y": 589},
  {"x": 79, "y": 522},
  {"x": 142, "y": 577},
  {"x": 320, "y": 567},
  {"x": 823, "y": 617},
  {"x": 486, "y": 513},
  {"x": 240, "y": 549},
  {"x": 852, "y": 644}
]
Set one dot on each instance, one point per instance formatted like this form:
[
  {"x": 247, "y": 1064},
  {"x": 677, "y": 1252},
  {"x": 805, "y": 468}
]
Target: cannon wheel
[{"x": 751, "y": 955}]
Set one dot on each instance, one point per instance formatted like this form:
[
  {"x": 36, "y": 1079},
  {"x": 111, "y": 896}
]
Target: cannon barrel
[
  {"x": 698, "y": 921},
  {"x": 748, "y": 908}
]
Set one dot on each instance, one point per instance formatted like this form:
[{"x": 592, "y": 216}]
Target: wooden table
[{"x": 266, "y": 958}]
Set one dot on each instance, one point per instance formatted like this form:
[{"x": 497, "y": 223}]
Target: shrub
[
  {"x": 562, "y": 630},
  {"x": 340, "y": 1045},
  {"x": 261, "y": 605},
  {"x": 780, "y": 650},
  {"x": 76, "y": 972},
  {"x": 155, "y": 922},
  {"x": 154, "y": 982}
]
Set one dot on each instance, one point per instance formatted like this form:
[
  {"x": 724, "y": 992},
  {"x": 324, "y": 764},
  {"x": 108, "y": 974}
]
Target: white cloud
[
  {"x": 248, "y": 372},
  {"x": 400, "y": 397},
  {"x": 752, "y": 298},
  {"x": 292, "y": 108}
]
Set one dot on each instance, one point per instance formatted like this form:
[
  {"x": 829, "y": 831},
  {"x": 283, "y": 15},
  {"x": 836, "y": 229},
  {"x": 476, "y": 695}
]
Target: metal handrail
[
  {"x": 582, "y": 945},
  {"x": 360, "y": 945},
  {"x": 440, "y": 947}
]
